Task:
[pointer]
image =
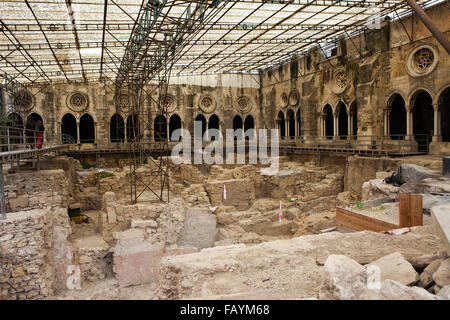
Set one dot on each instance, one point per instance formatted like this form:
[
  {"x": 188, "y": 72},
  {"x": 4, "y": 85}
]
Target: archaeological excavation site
[{"x": 224, "y": 150}]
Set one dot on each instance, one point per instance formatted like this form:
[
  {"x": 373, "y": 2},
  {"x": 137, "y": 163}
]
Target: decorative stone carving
[
  {"x": 77, "y": 101},
  {"x": 294, "y": 97},
  {"x": 25, "y": 103},
  {"x": 244, "y": 104},
  {"x": 284, "y": 100},
  {"x": 340, "y": 81},
  {"x": 169, "y": 102},
  {"x": 207, "y": 104},
  {"x": 422, "y": 61},
  {"x": 123, "y": 102}
]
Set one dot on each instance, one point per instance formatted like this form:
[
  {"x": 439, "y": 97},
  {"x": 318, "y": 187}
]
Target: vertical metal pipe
[
  {"x": 438, "y": 34},
  {"x": 2, "y": 192}
]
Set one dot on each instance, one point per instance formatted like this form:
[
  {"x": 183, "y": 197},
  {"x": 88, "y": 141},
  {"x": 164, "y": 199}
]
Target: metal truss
[
  {"x": 48, "y": 44},
  {"x": 145, "y": 62}
]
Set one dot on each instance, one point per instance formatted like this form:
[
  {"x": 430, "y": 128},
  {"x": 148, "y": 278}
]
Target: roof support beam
[
  {"x": 440, "y": 36},
  {"x": 46, "y": 39},
  {"x": 19, "y": 46},
  {"x": 105, "y": 10},
  {"x": 75, "y": 34}
]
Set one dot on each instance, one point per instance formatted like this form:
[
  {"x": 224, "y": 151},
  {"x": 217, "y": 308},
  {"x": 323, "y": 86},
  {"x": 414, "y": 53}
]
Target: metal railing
[
  {"x": 401, "y": 144},
  {"x": 15, "y": 138},
  {"x": 364, "y": 144}
]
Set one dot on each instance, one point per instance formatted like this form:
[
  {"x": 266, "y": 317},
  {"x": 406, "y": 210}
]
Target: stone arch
[
  {"x": 415, "y": 92},
  {"x": 281, "y": 124},
  {"x": 327, "y": 113},
  {"x": 15, "y": 132},
  {"x": 423, "y": 118},
  {"x": 298, "y": 119},
  {"x": 443, "y": 106},
  {"x": 213, "y": 123},
  {"x": 117, "y": 128},
  {"x": 397, "y": 116},
  {"x": 392, "y": 94},
  {"x": 237, "y": 123},
  {"x": 69, "y": 131},
  {"x": 174, "y": 124},
  {"x": 290, "y": 117},
  {"x": 354, "y": 119},
  {"x": 87, "y": 129},
  {"x": 201, "y": 118},
  {"x": 342, "y": 115},
  {"x": 249, "y": 123},
  {"x": 160, "y": 128},
  {"x": 132, "y": 127}
]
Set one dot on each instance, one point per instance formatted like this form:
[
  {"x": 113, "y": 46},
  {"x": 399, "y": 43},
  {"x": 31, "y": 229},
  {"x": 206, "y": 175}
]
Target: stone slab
[{"x": 441, "y": 221}]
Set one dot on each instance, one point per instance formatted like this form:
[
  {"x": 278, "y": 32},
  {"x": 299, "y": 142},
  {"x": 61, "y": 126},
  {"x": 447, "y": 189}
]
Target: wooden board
[
  {"x": 416, "y": 210},
  {"x": 404, "y": 210},
  {"x": 359, "y": 222}
]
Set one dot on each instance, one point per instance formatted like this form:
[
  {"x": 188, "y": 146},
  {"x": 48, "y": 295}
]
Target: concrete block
[{"x": 137, "y": 262}]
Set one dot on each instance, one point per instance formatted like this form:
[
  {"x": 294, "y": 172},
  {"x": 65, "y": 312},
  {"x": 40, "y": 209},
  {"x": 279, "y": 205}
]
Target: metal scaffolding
[
  {"x": 62, "y": 41},
  {"x": 143, "y": 78}
]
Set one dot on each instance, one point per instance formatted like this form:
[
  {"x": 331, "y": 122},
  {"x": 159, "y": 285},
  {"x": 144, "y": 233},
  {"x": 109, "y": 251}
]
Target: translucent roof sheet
[{"x": 47, "y": 41}]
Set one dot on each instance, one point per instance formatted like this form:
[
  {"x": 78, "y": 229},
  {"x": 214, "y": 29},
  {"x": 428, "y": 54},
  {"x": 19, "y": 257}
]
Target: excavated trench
[{"x": 200, "y": 214}]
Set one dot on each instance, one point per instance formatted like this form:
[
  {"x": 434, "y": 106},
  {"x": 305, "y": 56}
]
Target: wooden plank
[
  {"x": 416, "y": 210},
  {"x": 358, "y": 222},
  {"x": 404, "y": 210},
  {"x": 366, "y": 218}
]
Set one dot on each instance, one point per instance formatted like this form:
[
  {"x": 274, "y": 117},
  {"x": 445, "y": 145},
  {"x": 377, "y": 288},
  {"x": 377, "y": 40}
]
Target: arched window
[
  {"x": 249, "y": 123},
  {"x": 281, "y": 124},
  {"x": 329, "y": 121},
  {"x": 201, "y": 118},
  {"x": 87, "y": 129},
  {"x": 423, "y": 119},
  {"x": 444, "y": 107},
  {"x": 117, "y": 128},
  {"x": 299, "y": 123},
  {"x": 213, "y": 123},
  {"x": 237, "y": 124},
  {"x": 354, "y": 119},
  {"x": 342, "y": 120},
  {"x": 35, "y": 130},
  {"x": 160, "y": 128},
  {"x": 174, "y": 124},
  {"x": 397, "y": 117},
  {"x": 15, "y": 133},
  {"x": 132, "y": 127},
  {"x": 291, "y": 123},
  {"x": 69, "y": 129}
]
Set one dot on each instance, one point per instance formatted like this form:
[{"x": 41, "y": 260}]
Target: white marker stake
[
  {"x": 224, "y": 192},
  {"x": 281, "y": 213}
]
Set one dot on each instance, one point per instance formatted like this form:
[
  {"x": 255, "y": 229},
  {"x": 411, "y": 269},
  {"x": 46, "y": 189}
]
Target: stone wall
[
  {"x": 364, "y": 75},
  {"x": 35, "y": 190},
  {"x": 30, "y": 260}
]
